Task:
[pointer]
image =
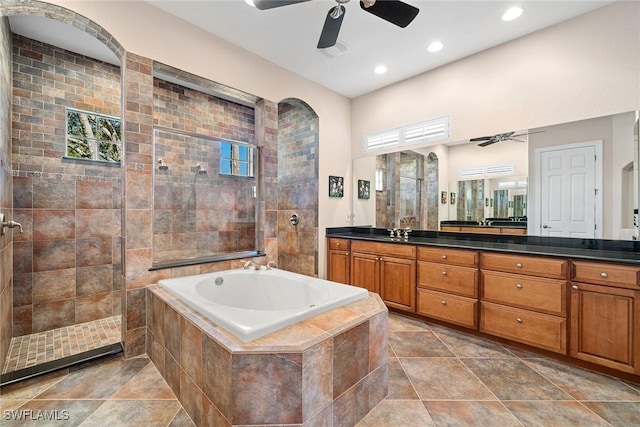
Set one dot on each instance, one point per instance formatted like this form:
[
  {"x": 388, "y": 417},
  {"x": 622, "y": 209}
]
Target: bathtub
[{"x": 253, "y": 303}]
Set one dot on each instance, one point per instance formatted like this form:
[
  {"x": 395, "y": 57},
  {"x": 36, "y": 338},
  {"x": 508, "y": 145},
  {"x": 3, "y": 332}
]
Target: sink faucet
[{"x": 251, "y": 265}]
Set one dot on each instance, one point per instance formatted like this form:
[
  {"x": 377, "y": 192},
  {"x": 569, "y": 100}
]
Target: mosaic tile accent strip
[{"x": 31, "y": 350}]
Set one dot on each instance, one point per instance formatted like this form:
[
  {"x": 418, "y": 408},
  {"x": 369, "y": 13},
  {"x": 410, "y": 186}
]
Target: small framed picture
[
  {"x": 452, "y": 198},
  {"x": 364, "y": 189},
  {"x": 443, "y": 197},
  {"x": 336, "y": 186}
]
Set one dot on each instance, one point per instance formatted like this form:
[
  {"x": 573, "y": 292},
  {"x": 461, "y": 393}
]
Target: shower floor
[{"x": 31, "y": 350}]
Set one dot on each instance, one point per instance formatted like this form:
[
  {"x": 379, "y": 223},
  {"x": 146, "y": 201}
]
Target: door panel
[{"x": 568, "y": 192}]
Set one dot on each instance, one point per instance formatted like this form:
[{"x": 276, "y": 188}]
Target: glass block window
[
  {"x": 236, "y": 159},
  {"x": 93, "y": 136}
]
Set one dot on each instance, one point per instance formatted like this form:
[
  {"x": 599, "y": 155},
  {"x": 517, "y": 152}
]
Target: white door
[{"x": 568, "y": 191}]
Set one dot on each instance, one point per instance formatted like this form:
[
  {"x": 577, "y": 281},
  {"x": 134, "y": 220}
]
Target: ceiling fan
[
  {"x": 394, "y": 11},
  {"x": 488, "y": 140}
]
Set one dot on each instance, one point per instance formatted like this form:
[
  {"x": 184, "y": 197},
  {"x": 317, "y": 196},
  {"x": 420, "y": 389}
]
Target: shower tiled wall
[
  {"x": 199, "y": 214},
  {"x": 6, "y": 267},
  {"x": 298, "y": 187},
  {"x": 66, "y": 264}
]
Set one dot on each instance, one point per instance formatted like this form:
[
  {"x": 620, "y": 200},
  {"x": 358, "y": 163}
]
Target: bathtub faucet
[
  {"x": 271, "y": 264},
  {"x": 251, "y": 264}
]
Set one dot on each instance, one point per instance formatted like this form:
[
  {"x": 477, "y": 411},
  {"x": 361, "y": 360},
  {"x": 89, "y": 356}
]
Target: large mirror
[{"x": 577, "y": 179}]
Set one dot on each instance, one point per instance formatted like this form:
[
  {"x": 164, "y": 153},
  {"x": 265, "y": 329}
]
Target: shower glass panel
[{"x": 205, "y": 195}]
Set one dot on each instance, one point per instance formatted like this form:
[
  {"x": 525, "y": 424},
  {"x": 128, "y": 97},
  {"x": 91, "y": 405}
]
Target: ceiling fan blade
[
  {"x": 394, "y": 11},
  {"x": 515, "y": 139},
  {"x": 270, "y": 4},
  {"x": 529, "y": 133},
  {"x": 489, "y": 142},
  {"x": 331, "y": 27},
  {"x": 481, "y": 138}
]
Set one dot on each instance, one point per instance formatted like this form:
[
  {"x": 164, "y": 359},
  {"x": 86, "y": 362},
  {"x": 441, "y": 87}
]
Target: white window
[
  {"x": 418, "y": 133},
  {"x": 236, "y": 159},
  {"x": 93, "y": 136}
]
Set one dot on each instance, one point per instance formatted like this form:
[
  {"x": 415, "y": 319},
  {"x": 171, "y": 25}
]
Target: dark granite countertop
[
  {"x": 623, "y": 251},
  {"x": 492, "y": 224}
]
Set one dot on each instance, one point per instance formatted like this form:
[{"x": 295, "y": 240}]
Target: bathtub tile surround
[{"x": 328, "y": 370}]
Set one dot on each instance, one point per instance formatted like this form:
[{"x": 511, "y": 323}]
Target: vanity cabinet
[
  {"x": 338, "y": 260},
  {"x": 448, "y": 285},
  {"x": 387, "y": 269},
  {"x": 523, "y": 298},
  {"x": 605, "y": 315}
]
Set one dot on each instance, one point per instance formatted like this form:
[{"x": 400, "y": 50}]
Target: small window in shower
[
  {"x": 93, "y": 136},
  {"x": 236, "y": 159}
]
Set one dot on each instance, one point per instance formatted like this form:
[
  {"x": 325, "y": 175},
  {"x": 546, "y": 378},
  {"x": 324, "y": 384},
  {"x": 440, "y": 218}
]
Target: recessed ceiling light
[
  {"x": 435, "y": 46},
  {"x": 512, "y": 13},
  {"x": 250, "y": 3},
  {"x": 380, "y": 69}
]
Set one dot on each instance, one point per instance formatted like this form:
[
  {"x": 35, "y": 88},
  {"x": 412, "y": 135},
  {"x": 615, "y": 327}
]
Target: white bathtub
[{"x": 254, "y": 303}]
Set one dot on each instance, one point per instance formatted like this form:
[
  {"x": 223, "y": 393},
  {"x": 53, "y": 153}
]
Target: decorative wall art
[
  {"x": 452, "y": 198},
  {"x": 336, "y": 186},
  {"x": 443, "y": 197},
  {"x": 364, "y": 189}
]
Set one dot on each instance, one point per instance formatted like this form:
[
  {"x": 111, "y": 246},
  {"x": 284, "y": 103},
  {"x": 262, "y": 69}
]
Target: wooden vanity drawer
[
  {"x": 448, "y": 278},
  {"x": 339, "y": 244},
  {"x": 528, "y": 327},
  {"x": 449, "y": 308},
  {"x": 555, "y": 268},
  {"x": 384, "y": 249},
  {"x": 600, "y": 273},
  {"x": 544, "y": 295},
  {"x": 448, "y": 256}
]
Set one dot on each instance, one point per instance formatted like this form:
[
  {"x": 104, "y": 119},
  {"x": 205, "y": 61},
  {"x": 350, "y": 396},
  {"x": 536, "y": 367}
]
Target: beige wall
[{"x": 586, "y": 67}]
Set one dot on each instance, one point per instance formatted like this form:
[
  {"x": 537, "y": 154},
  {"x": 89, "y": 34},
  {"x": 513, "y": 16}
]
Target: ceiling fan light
[
  {"x": 435, "y": 46},
  {"x": 380, "y": 69},
  {"x": 512, "y": 13}
]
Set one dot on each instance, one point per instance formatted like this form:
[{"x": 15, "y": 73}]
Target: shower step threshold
[{"x": 54, "y": 365}]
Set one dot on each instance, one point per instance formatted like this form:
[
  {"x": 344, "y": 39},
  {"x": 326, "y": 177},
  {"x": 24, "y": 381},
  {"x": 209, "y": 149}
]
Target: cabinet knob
[
  {"x": 519, "y": 319},
  {"x": 347, "y": 253},
  {"x": 444, "y": 257},
  {"x": 443, "y": 302},
  {"x": 518, "y": 265},
  {"x": 338, "y": 244},
  {"x": 444, "y": 273},
  {"x": 574, "y": 287},
  {"x": 518, "y": 285},
  {"x": 604, "y": 275}
]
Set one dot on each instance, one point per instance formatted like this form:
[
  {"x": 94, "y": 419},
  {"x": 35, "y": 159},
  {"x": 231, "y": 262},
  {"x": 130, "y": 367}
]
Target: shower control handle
[{"x": 294, "y": 220}]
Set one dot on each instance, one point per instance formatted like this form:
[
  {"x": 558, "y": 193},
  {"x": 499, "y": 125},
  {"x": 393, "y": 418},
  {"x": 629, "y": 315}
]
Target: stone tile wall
[
  {"x": 298, "y": 187},
  {"x": 199, "y": 214},
  {"x": 6, "y": 265},
  {"x": 66, "y": 264},
  {"x": 329, "y": 370}
]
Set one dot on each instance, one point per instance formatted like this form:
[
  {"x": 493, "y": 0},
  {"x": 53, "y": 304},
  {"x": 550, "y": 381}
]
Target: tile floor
[
  {"x": 35, "y": 349},
  {"x": 437, "y": 377}
]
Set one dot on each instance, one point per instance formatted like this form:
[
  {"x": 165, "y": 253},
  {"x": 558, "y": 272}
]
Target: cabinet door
[
  {"x": 365, "y": 271},
  {"x": 605, "y": 326},
  {"x": 339, "y": 266},
  {"x": 398, "y": 283}
]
